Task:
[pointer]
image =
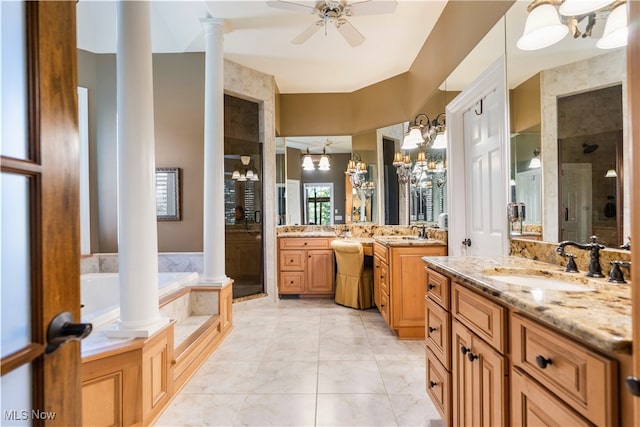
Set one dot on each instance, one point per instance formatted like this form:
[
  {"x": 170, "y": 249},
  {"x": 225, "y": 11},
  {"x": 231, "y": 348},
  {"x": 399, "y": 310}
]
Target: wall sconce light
[
  {"x": 545, "y": 26},
  {"x": 324, "y": 164},
  {"x": 307, "y": 162},
  {"x": 611, "y": 173},
  {"x": 535, "y": 162},
  {"x": 417, "y": 133}
]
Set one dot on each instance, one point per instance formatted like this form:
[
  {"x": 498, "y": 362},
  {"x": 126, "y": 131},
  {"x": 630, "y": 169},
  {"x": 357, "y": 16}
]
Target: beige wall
[
  {"x": 524, "y": 103},
  {"x": 398, "y": 99}
]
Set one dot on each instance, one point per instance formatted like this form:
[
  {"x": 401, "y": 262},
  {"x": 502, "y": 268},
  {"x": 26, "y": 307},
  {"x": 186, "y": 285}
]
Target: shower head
[{"x": 589, "y": 148}]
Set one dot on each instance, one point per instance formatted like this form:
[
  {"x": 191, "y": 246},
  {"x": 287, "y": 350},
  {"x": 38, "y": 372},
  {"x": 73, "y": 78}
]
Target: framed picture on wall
[{"x": 168, "y": 194}]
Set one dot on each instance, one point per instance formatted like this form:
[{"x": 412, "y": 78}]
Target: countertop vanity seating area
[
  {"x": 306, "y": 267},
  {"x": 513, "y": 341}
]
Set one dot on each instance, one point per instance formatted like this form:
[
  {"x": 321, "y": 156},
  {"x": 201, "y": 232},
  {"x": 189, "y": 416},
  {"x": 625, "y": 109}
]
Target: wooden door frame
[{"x": 633, "y": 99}]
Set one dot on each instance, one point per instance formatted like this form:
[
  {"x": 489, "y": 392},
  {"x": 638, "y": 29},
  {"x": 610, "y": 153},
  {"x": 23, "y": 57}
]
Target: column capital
[{"x": 211, "y": 24}]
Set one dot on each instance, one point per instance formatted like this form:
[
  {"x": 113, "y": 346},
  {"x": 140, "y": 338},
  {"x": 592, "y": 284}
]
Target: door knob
[
  {"x": 62, "y": 329},
  {"x": 466, "y": 242},
  {"x": 633, "y": 385}
]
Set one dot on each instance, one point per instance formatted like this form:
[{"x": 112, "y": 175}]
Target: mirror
[
  {"x": 570, "y": 96},
  {"x": 168, "y": 193},
  {"x": 314, "y": 194}
]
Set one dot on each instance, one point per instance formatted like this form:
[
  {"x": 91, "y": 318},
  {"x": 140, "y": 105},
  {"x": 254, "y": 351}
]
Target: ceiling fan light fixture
[{"x": 542, "y": 29}]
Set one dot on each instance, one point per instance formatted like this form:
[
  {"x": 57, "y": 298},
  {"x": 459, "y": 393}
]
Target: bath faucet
[
  {"x": 594, "y": 250},
  {"x": 422, "y": 234},
  {"x": 627, "y": 245},
  {"x": 615, "y": 275}
]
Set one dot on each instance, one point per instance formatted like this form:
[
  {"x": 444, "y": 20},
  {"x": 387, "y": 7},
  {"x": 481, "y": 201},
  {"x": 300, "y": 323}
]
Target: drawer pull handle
[
  {"x": 542, "y": 361},
  {"x": 432, "y": 329},
  {"x": 292, "y": 282},
  {"x": 430, "y": 286},
  {"x": 432, "y": 384},
  {"x": 464, "y": 350},
  {"x": 471, "y": 356},
  {"x": 633, "y": 385}
]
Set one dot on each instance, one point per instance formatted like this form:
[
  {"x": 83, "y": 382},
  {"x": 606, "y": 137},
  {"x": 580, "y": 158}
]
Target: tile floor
[{"x": 306, "y": 363}]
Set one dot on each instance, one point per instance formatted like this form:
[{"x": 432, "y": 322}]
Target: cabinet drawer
[
  {"x": 438, "y": 386},
  {"x": 438, "y": 288},
  {"x": 291, "y": 282},
  {"x": 305, "y": 243},
  {"x": 381, "y": 251},
  {"x": 485, "y": 318},
  {"x": 292, "y": 260},
  {"x": 437, "y": 332},
  {"x": 583, "y": 379},
  {"x": 533, "y": 405}
]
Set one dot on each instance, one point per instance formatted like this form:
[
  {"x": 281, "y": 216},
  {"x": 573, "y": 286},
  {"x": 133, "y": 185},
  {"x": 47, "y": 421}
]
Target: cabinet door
[
  {"x": 320, "y": 271},
  {"x": 376, "y": 281},
  {"x": 533, "y": 405},
  {"x": 479, "y": 381},
  {"x": 407, "y": 288}
]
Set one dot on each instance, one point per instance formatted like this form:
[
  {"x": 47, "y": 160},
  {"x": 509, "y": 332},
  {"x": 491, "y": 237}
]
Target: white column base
[
  {"x": 220, "y": 281},
  {"x": 136, "y": 330}
]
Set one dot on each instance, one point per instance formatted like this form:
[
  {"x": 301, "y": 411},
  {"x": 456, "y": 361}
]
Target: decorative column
[
  {"x": 213, "y": 227},
  {"x": 137, "y": 232}
]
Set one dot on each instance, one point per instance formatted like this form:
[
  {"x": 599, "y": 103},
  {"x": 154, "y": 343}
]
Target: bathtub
[{"x": 100, "y": 294}]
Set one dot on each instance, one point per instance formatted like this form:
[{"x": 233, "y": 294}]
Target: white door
[
  {"x": 293, "y": 202},
  {"x": 479, "y": 159},
  {"x": 529, "y": 192},
  {"x": 575, "y": 202},
  {"x": 485, "y": 202}
]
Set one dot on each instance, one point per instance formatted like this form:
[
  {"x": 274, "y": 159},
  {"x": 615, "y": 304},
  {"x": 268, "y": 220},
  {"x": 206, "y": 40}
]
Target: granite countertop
[
  {"x": 307, "y": 234},
  {"x": 600, "y": 318},
  {"x": 407, "y": 241}
]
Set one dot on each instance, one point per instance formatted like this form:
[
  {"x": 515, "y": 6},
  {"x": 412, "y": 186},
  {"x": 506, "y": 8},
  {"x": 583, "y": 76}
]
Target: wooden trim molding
[{"x": 21, "y": 357}]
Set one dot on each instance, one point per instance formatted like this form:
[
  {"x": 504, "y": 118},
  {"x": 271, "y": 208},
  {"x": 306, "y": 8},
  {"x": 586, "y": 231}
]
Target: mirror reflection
[{"x": 569, "y": 95}]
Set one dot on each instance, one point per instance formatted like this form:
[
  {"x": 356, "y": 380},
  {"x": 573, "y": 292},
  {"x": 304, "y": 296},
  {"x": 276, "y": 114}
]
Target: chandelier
[
  {"x": 357, "y": 171},
  {"x": 426, "y": 166},
  {"x": 547, "y": 25},
  {"x": 245, "y": 173}
]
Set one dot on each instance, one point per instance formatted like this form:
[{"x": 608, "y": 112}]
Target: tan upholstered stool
[{"x": 354, "y": 282}]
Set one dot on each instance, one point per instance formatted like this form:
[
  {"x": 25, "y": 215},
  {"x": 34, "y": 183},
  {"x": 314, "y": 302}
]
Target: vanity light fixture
[
  {"x": 417, "y": 133},
  {"x": 324, "y": 164},
  {"x": 307, "y": 162},
  {"x": 547, "y": 25},
  {"x": 535, "y": 160},
  {"x": 440, "y": 141},
  {"x": 611, "y": 173}
]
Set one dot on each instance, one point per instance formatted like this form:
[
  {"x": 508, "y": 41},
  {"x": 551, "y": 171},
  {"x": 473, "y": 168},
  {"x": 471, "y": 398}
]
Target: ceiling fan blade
[
  {"x": 304, "y": 7},
  {"x": 349, "y": 32},
  {"x": 311, "y": 30},
  {"x": 373, "y": 7}
]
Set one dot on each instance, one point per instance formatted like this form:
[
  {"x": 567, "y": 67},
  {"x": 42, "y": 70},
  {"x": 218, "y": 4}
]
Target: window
[{"x": 318, "y": 202}]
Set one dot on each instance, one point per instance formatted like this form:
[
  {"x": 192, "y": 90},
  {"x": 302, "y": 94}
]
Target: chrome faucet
[
  {"x": 422, "y": 234},
  {"x": 595, "y": 270}
]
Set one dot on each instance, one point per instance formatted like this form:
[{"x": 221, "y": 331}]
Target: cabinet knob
[
  {"x": 432, "y": 384},
  {"x": 633, "y": 385},
  {"x": 430, "y": 286},
  {"x": 382, "y": 277},
  {"x": 305, "y": 243},
  {"x": 432, "y": 329},
  {"x": 542, "y": 361},
  {"x": 471, "y": 356},
  {"x": 464, "y": 350},
  {"x": 292, "y": 282}
]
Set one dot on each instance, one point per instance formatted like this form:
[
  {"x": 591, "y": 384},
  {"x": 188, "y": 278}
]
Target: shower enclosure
[{"x": 243, "y": 198}]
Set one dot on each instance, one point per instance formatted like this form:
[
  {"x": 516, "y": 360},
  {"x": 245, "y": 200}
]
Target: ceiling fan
[{"x": 335, "y": 12}]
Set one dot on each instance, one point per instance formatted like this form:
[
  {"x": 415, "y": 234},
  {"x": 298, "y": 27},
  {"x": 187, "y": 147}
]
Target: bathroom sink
[{"x": 538, "y": 282}]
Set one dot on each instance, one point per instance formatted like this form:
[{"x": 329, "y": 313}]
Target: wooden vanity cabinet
[
  {"x": 305, "y": 266},
  {"x": 479, "y": 368},
  {"x": 401, "y": 280},
  {"x": 500, "y": 367}
]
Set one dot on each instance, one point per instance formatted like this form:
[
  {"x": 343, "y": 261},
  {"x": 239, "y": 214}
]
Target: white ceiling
[{"x": 260, "y": 38}]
